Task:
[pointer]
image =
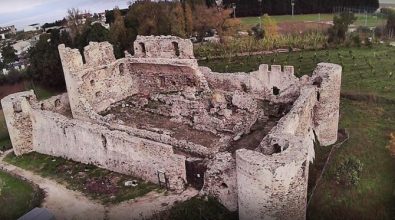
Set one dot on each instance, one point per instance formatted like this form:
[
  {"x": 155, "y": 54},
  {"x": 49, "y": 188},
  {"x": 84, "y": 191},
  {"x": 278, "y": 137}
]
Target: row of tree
[
  {"x": 185, "y": 18},
  {"x": 279, "y": 7}
]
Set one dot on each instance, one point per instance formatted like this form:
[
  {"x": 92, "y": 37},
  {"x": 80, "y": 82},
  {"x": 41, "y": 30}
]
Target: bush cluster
[{"x": 349, "y": 171}]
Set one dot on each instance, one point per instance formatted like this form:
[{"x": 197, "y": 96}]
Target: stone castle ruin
[{"x": 243, "y": 138}]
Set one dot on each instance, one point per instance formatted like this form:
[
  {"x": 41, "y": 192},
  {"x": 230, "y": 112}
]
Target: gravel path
[{"x": 69, "y": 204}]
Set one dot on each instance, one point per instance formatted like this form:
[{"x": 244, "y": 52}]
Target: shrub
[
  {"x": 258, "y": 32},
  {"x": 356, "y": 40},
  {"x": 337, "y": 33},
  {"x": 349, "y": 171}
]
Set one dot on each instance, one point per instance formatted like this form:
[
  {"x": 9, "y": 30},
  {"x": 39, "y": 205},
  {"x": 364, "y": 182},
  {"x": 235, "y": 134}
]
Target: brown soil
[
  {"x": 301, "y": 27},
  {"x": 149, "y": 121},
  {"x": 252, "y": 140},
  {"x": 10, "y": 89}
]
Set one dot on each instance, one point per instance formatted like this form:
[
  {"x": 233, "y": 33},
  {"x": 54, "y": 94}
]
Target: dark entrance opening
[{"x": 195, "y": 172}]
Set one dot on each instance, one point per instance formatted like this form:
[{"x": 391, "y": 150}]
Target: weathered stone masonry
[{"x": 243, "y": 138}]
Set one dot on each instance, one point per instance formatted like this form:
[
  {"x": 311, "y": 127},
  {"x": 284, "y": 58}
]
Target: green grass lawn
[
  {"x": 369, "y": 125},
  {"x": 97, "y": 183},
  {"x": 17, "y": 197},
  {"x": 372, "y": 21},
  {"x": 198, "y": 209},
  {"x": 367, "y": 71}
]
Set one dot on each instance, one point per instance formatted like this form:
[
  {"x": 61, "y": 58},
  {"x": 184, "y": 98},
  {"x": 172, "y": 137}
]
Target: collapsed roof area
[{"x": 244, "y": 138}]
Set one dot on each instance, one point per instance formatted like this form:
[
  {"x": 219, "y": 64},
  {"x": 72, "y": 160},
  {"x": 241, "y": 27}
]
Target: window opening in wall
[
  {"x": 224, "y": 185},
  {"x": 276, "y": 91},
  {"x": 317, "y": 82},
  {"x": 104, "y": 141},
  {"x": 17, "y": 107},
  {"x": 176, "y": 48},
  {"x": 277, "y": 148},
  {"x": 244, "y": 87},
  {"x": 318, "y": 96},
  {"x": 57, "y": 103},
  {"x": 92, "y": 82},
  {"x": 162, "y": 81},
  {"x": 122, "y": 69},
  {"x": 142, "y": 47}
]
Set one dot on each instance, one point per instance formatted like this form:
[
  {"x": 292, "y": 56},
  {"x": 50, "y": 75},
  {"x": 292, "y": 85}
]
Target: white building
[
  {"x": 32, "y": 27},
  {"x": 21, "y": 46}
]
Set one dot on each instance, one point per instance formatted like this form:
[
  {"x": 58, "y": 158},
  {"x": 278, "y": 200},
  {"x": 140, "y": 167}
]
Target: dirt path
[
  {"x": 69, "y": 204},
  {"x": 62, "y": 202}
]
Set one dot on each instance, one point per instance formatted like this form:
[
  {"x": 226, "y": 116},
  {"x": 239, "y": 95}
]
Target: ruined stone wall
[
  {"x": 163, "y": 79},
  {"x": 57, "y": 135},
  {"x": 47, "y": 132},
  {"x": 17, "y": 115},
  {"x": 59, "y": 104},
  {"x": 102, "y": 80},
  {"x": 163, "y": 47},
  {"x": 220, "y": 180},
  {"x": 277, "y": 84},
  {"x": 273, "y": 184}
]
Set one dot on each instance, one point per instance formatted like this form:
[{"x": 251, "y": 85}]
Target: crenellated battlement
[{"x": 278, "y": 69}]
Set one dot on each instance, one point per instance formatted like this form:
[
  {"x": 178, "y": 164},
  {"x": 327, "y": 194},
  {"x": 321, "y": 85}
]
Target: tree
[
  {"x": 177, "y": 21},
  {"x": 188, "y": 19},
  {"x": 91, "y": 32},
  {"x": 45, "y": 65},
  {"x": 118, "y": 34},
  {"x": 337, "y": 33},
  {"x": 74, "y": 21},
  {"x": 8, "y": 53},
  {"x": 246, "y": 8},
  {"x": 207, "y": 19}
]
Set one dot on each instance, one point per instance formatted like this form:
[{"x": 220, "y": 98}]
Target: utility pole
[
  {"x": 293, "y": 7},
  {"x": 260, "y": 14},
  {"x": 234, "y": 9},
  {"x": 366, "y": 18}
]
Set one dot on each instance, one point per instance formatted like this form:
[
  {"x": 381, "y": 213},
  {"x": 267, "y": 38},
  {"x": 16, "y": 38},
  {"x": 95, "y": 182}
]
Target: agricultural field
[
  {"x": 20, "y": 194},
  {"x": 367, "y": 112},
  {"x": 366, "y": 70},
  {"x": 362, "y": 20}
]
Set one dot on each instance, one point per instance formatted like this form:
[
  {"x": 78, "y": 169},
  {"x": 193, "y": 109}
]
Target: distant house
[
  {"x": 21, "y": 46},
  {"x": 4, "y": 31},
  {"x": 32, "y": 27},
  {"x": 102, "y": 23}
]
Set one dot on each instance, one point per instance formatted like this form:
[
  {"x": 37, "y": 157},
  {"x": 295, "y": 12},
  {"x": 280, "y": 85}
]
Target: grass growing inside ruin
[
  {"x": 367, "y": 71},
  {"x": 96, "y": 183},
  {"x": 17, "y": 197},
  {"x": 197, "y": 209}
]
